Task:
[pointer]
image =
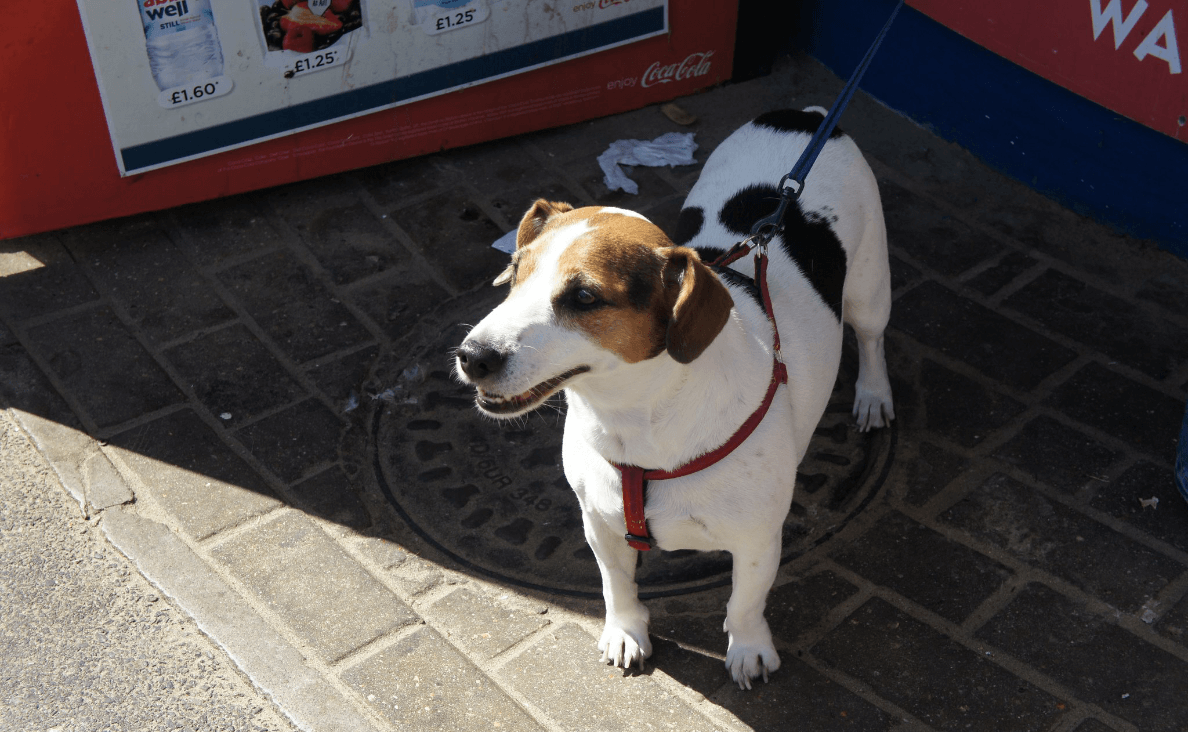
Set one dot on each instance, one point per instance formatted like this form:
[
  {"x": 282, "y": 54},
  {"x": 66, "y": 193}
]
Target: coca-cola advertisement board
[
  {"x": 59, "y": 168},
  {"x": 184, "y": 79}
]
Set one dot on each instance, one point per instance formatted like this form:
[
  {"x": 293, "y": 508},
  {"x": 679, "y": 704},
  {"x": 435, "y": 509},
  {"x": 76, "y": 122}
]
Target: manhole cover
[{"x": 492, "y": 495}]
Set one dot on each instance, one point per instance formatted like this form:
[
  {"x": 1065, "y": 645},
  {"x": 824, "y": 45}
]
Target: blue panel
[{"x": 1092, "y": 160}]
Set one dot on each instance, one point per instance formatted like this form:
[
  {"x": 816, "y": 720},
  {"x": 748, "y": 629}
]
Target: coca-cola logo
[{"x": 695, "y": 64}]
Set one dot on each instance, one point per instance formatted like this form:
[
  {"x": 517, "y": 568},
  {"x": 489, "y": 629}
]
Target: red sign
[
  {"x": 1122, "y": 54},
  {"x": 57, "y": 167}
]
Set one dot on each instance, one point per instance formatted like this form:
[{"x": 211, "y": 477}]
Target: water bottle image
[{"x": 183, "y": 43}]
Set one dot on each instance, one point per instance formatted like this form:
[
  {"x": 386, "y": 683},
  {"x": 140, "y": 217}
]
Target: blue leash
[{"x": 793, "y": 183}]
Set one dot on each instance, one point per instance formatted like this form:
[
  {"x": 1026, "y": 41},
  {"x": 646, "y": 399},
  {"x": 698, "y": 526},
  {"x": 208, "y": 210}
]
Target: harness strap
[
  {"x": 634, "y": 478},
  {"x": 633, "y": 507}
]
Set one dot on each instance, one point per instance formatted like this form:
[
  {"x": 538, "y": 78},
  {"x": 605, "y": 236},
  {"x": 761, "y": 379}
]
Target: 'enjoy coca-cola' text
[{"x": 695, "y": 64}]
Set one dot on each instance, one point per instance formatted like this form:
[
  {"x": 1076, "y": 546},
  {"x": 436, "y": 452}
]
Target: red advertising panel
[
  {"x": 110, "y": 109},
  {"x": 1122, "y": 54}
]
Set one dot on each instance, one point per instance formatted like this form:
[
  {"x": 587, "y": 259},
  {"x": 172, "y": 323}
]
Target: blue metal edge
[{"x": 1088, "y": 158}]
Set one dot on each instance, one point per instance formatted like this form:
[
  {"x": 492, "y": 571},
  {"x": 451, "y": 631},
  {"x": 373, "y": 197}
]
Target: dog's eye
[{"x": 585, "y": 297}]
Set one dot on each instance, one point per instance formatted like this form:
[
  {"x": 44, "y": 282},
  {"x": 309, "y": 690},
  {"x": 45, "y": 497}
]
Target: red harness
[{"x": 635, "y": 478}]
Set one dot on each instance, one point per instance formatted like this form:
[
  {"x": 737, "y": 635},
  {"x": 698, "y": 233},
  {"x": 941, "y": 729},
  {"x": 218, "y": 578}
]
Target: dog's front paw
[
  {"x": 624, "y": 647},
  {"x": 746, "y": 661},
  {"x": 872, "y": 410}
]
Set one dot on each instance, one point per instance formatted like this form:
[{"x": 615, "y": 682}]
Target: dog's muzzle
[{"x": 480, "y": 362}]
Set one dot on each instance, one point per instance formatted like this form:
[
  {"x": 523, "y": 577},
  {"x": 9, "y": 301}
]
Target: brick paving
[{"x": 1011, "y": 573}]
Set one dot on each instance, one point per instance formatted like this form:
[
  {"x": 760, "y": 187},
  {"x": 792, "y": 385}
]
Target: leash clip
[{"x": 767, "y": 227}]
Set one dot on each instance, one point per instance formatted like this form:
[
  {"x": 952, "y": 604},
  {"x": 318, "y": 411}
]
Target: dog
[{"x": 662, "y": 358}]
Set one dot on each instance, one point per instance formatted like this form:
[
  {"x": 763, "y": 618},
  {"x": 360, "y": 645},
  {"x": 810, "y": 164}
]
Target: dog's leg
[
  {"x": 872, "y": 392},
  {"x": 867, "y": 308},
  {"x": 624, "y": 640},
  {"x": 750, "y": 652}
]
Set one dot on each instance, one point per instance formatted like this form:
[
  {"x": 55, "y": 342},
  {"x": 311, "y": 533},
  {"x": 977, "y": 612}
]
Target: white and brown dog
[{"x": 662, "y": 360}]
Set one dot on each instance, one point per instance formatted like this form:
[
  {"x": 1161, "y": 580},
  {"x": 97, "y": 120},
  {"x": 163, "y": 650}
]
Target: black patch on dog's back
[
  {"x": 688, "y": 225},
  {"x": 808, "y": 239},
  {"x": 747, "y": 206},
  {"x": 794, "y": 120}
]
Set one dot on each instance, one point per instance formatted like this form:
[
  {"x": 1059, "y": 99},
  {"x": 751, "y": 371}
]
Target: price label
[
  {"x": 448, "y": 20},
  {"x": 318, "y": 7},
  {"x": 318, "y": 61},
  {"x": 180, "y": 96}
]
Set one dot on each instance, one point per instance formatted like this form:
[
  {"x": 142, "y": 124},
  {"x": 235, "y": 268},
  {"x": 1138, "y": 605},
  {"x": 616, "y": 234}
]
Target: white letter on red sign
[
  {"x": 1113, "y": 14},
  {"x": 1169, "y": 51}
]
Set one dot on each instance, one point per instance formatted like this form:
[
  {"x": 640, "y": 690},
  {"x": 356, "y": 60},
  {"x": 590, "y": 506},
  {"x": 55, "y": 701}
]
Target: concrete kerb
[
  {"x": 269, "y": 660},
  {"x": 273, "y": 664},
  {"x": 79, "y": 462}
]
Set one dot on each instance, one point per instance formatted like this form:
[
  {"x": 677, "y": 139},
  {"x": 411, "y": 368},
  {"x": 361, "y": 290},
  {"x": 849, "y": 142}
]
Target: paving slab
[
  {"x": 483, "y": 626},
  {"x": 215, "y": 232},
  {"x": 897, "y": 655},
  {"x": 800, "y": 697},
  {"x": 561, "y": 670},
  {"x": 960, "y": 408},
  {"x": 292, "y": 443},
  {"x": 1135, "y": 413},
  {"x": 329, "y": 601},
  {"x": 231, "y": 373},
  {"x": 924, "y": 566},
  {"x": 931, "y": 470},
  {"x": 200, "y": 482},
  {"x": 292, "y": 306},
  {"x": 1125, "y": 332},
  {"x": 423, "y": 683},
  {"x": 342, "y": 234},
  {"x": 976, "y": 335},
  {"x": 931, "y": 236},
  {"x": 992, "y": 279},
  {"x": 1045, "y": 532},
  {"x": 43, "y": 280},
  {"x": 132, "y": 383},
  {"x": 798, "y": 606},
  {"x": 149, "y": 275},
  {"x": 1135, "y": 498},
  {"x": 1101, "y": 662},
  {"x": 1057, "y": 455},
  {"x": 253, "y": 397}
]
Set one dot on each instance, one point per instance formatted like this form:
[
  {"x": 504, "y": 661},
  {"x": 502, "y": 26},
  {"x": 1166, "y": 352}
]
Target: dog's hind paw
[
  {"x": 750, "y": 661},
  {"x": 872, "y": 411},
  {"x": 624, "y": 648}
]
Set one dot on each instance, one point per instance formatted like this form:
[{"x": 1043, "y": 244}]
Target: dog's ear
[
  {"x": 534, "y": 221},
  {"x": 505, "y": 276},
  {"x": 700, "y": 304}
]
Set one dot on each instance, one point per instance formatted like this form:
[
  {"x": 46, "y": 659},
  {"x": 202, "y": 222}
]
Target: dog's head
[{"x": 593, "y": 291}]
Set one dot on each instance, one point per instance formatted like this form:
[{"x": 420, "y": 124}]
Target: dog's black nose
[{"x": 478, "y": 361}]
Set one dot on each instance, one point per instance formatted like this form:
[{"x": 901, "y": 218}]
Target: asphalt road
[{"x": 86, "y": 643}]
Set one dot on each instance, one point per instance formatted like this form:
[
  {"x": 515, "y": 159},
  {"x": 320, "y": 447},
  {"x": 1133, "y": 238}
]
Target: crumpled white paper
[{"x": 671, "y": 148}]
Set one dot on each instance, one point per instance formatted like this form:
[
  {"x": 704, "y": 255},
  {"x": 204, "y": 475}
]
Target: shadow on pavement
[{"x": 290, "y": 348}]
